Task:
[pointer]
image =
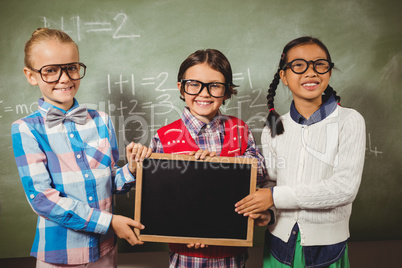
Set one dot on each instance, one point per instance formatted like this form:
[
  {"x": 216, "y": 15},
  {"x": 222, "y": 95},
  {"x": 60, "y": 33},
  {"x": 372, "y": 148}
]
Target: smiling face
[
  {"x": 307, "y": 88},
  {"x": 60, "y": 94},
  {"x": 203, "y": 106}
]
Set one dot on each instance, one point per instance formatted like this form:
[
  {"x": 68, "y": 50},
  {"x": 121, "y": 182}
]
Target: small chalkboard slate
[{"x": 183, "y": 200}]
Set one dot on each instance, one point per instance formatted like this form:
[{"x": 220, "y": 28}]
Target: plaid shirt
[
  {"x": 69, "y": 175},
  {"x": 210, "y": 137}
]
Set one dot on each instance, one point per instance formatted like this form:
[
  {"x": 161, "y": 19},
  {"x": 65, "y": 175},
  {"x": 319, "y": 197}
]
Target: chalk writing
[
  {"x": 158, "y": 81},
  {"x": 372, "y": 150},
  {"x": 118, "y": 26},
  {"x": 239, "y": 76},
  {"x": 121, "y": 83}
]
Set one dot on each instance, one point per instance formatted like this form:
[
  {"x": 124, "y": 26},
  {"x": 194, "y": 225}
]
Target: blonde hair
[{"x": 43, "y": 35}]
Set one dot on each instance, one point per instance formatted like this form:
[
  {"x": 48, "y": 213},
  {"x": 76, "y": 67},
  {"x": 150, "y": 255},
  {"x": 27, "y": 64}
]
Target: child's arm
[
  {"x": 339, "y": 188},
  {"x": 41, "y": 192},
  {"x": 261, "y": 200}
]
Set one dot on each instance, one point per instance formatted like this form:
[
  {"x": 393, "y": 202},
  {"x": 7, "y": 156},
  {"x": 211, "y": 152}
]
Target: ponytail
[{"x": 274, "y": 121}]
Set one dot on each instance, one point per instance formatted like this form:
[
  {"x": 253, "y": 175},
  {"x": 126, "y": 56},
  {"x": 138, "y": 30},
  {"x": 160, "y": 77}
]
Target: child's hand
[
  {"x": 197, "y": 245},
  {"x": 256, "y": 202},
  {"x": 201, "y": 154},
  {"x": 136, "y": 152},
  {"x": 262, "y": 218},
  {"x": 122, "y": 226}
]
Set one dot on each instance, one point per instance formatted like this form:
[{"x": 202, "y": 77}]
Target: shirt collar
[
  {"x": 323, "y": 112},
  {"x": 195, "y": 126},
  {"x": 43, "y": 106}
]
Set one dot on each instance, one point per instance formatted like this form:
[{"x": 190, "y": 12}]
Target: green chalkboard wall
[{"x": 133, "y": 50}]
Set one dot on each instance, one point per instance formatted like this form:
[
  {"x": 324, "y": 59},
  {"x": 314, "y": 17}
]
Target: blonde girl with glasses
[
  {"x": 66, "y": 156},
  {"x": 316, "y": 155}
]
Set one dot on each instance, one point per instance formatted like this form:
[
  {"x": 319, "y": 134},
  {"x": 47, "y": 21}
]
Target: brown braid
[{"x": 274, "y": 121}]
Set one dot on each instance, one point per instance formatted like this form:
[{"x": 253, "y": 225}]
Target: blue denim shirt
[
  {"x": 315, "y": 256},
  {"x": 326, "y": 109}
]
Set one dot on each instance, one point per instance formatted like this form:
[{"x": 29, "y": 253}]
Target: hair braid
[
  {"x": 274, "y": 121},
  {"x": 329, "y": 91}
]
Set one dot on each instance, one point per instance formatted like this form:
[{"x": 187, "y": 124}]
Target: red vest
[{"x": 176, "y": 138}]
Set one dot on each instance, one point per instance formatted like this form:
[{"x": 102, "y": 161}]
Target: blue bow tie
[{"x": 55, "y": 116}]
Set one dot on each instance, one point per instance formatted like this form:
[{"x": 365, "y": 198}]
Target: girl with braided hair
[{"x": 314, "y": 156}]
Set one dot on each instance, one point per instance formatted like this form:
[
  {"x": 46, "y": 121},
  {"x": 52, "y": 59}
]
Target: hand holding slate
[
  {"x": 257, "y": 202},
  {"x": 122, "y": 228},
  {"x": 136, "y": 152},
  {"x": 201, "y": 154},
  {"x": 262, "y": 218}
]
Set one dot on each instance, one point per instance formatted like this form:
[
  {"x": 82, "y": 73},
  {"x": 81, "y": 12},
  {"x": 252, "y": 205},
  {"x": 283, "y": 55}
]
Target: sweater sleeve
[{"x": 342, "y": 186}]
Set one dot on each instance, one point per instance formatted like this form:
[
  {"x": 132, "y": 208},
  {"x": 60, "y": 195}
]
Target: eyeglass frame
[
  {"x": 289, "y": 65},
  {"x": 184, "y": 81},
  {"x": 61, "y": 71}
]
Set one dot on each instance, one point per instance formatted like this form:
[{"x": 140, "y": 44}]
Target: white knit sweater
[{"x": 317, "y": 170}]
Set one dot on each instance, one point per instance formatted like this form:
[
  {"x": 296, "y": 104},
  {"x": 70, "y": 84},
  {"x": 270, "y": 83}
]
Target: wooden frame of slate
[{"x": 183, "y": 200}]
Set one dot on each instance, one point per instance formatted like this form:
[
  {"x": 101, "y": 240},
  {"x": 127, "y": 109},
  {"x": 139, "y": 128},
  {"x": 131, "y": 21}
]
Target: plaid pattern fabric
[
  {"x": 69, "y": 175},
  {"x": 180, "y": 261},
  {"x": 210, "y": 137}
]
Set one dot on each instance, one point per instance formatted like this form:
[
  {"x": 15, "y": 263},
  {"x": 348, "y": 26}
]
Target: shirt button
[
  {"x": 32, "y": 196},
  {"x": 294, "y": 232},
  {"x": 78, "y": 156},
  {"x": 90, "y": 198},
  {"x": 86, "y": 175},
  {"x": 208, "y": 126},
  {"x": 71, "y": 135}
]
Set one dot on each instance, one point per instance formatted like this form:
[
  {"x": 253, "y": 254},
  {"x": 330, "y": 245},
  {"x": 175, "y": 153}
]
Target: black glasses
[
  {"x": 299, "y": 66},
  {"x": 194, "y": 87},
  {"x": 52, "y": 73}
]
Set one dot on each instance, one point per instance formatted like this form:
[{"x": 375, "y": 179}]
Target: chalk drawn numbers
[
  {"x": 164, "y": 76},
  {"x": 123, "y": 19},
  {"x": 372, "y": 150},
  {"x": 118, "y": 27},
  {"x": 258, "y": 98}
]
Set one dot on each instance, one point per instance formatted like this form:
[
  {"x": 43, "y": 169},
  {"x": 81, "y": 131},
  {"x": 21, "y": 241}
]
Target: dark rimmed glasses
[
  {"x": 52, "y": 73},
  {"x": 194, "y": 87},
  {"x": 300, "y": 66}
]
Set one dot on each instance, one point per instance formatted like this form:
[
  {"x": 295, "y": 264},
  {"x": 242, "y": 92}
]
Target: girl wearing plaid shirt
[
  {"x": 205, "y": 82},
  {"x": 66, "y": 157}
]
